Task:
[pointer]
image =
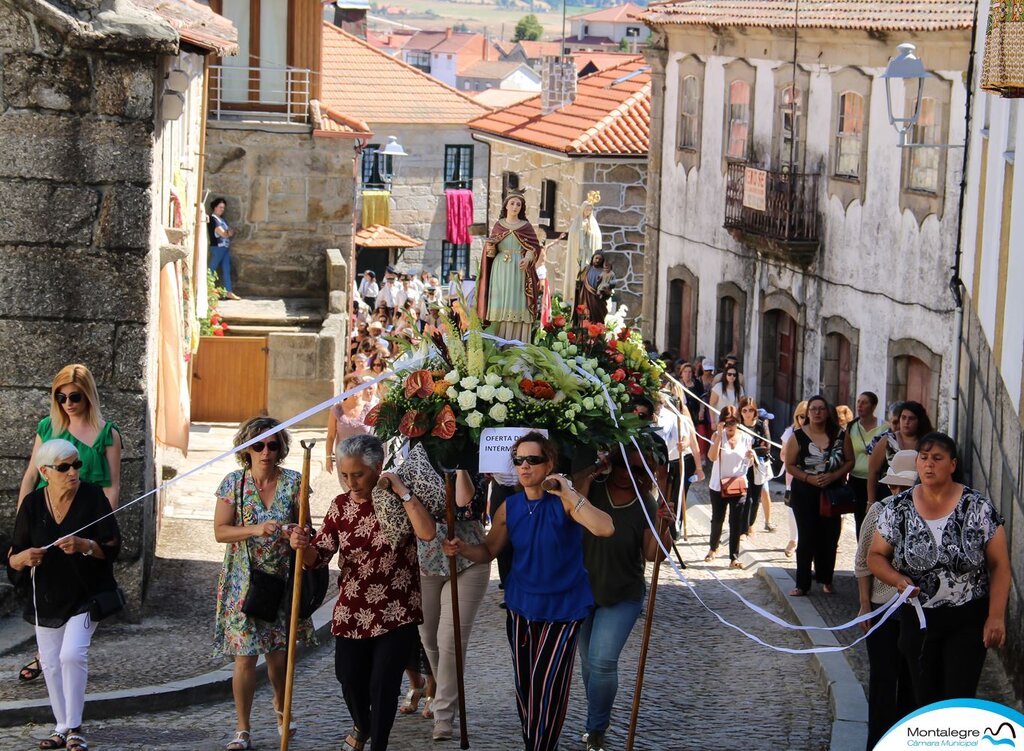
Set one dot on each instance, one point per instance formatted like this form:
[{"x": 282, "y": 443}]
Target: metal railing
[
  {"x": 791, "y": 206},
  {"x": 265, "y": 93}
]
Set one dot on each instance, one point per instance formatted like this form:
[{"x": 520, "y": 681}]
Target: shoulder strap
[{"x": 241, "y": 513}]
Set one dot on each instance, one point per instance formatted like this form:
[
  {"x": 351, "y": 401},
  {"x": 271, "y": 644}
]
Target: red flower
[
  {"x": 526, "y": 385},
  {"x": 624, "y": 334},
  {"x": 619, "y": 358},
  {"x": 558, "y": 321},
  {"x": 595, "y": 329},
  {"x": 412, "y": 424},
  {"x": 613, "y": 345},
  {"x": 445, "y": 426},
  {"x": 218, "y": 331},
  {"x": 619, "y": 375},
  {"x": 571, "y": 336},
  {"x": 635, "y": 388},
  {"x": 371, "y": 416},
  {"x": 419, "y": 383},
  {"x": 581, "y": 309}
]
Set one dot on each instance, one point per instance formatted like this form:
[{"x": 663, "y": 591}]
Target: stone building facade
[
  {"x": 81, "y": 110},
  {"x": 289, "y": 193},
  {"x": 821, "y": 304}
]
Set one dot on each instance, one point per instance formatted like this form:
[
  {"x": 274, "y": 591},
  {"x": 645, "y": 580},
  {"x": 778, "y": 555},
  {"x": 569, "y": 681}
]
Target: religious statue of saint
[
  {"x": 508, "y": 291},
  {"x": 584, "y": 240},
  {"x": 593, "y": 288}
]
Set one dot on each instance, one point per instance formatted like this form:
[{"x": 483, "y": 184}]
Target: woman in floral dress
[
  {"x": 816, "y": 457},
  {"x": 255, "y": 506}
]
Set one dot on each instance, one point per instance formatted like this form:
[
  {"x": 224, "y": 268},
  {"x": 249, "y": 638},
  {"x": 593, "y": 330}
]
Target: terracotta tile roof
[
  {"x": 497, "y": 98},
  {"x": 600, "y": 60},
  {"x": 534, "y": 50},
  {"x": 494, "y": 69},
  {"x": 380, "y": 236},
  {"x": 867, "y": 15},
  {"x": 196, "y": 24},
  {"x": 374, "y": 87},
  {"x": 618, "y": 14},
  {"x": 458, "y": 42},
  {"x": 606, "y": 119},
  {"x": 328, "y": 121}
]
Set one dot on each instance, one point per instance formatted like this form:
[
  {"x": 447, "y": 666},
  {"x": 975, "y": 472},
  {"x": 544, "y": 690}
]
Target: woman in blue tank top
[{"x": 547, "y": 590}]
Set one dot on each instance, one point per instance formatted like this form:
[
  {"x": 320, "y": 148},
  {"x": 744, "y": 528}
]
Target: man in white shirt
[
  {"x": 386, "y": 298},
  {"x": 368, "y": 289}
]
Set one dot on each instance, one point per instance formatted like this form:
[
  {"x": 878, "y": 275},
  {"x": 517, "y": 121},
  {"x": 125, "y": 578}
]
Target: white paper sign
[{"x": 496, "y": 448}]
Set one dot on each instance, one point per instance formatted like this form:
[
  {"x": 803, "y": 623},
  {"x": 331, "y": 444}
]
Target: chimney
[
  {"x": 558, "y": 83},
  {"x": 448, "y": 33},
  {"x": 487, "y": 47}
]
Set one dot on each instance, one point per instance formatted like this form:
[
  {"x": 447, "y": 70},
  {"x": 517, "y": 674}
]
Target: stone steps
[
  {"x": 235, "y": 329},
  {"x": 304, "y": 312}
]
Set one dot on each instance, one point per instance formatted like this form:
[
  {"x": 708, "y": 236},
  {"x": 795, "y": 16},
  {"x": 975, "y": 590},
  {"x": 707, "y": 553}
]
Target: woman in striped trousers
[{"x": 547, "y": 590}]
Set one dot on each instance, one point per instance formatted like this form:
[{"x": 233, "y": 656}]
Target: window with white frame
[
  {"x": 849, "y": 135},
  {"x": 790, "y": 125},
  {"x": 689, "y": 113},
  {"x": 738, "y": 121}
]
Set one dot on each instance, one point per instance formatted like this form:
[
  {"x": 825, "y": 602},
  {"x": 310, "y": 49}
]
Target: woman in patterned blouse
[
  {"x": 379, "y": 607},
  {"x": 948, "y": 543}
]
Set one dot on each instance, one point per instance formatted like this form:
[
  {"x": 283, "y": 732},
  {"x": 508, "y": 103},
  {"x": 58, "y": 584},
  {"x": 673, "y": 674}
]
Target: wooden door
[
  {"x": 229, "y": 378},
  {"x": 778, "y": 367},
  {"x": 919, "y": 383}
]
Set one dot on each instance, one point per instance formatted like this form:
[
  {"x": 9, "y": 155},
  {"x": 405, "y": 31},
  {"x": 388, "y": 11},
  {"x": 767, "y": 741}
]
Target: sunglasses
[
  {"x": 260, "y": 445},
  {"x": 533, "y": 461},
  {"x": 730, "y": 375},
  {"x": 74, "y": 397},
  {"x": 65, "y": 466}
]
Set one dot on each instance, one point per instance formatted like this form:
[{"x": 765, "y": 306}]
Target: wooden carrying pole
[
  {"x": 453, "y": 578},
  {"x": 681, "y": 500},
  {"x": 293, "y": 621},
  {"x": 634, "y": 714}
]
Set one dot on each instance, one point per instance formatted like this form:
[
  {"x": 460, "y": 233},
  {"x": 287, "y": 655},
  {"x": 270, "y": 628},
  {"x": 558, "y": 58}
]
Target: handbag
[
  {"x": 734, "y": 487},
  {"x": 266, "y": 591},
  {"x": 836, "y": 499},
  {"x": 107, "y": 603}
]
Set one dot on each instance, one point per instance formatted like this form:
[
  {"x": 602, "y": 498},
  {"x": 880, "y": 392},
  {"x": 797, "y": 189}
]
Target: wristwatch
[
  {"x": 407, "y": 497},
  {"x": 89, "y": 551}
]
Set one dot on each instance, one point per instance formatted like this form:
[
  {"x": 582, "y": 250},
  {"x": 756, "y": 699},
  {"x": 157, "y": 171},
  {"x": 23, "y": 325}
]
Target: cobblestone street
[{"x": 706, "y": 685}]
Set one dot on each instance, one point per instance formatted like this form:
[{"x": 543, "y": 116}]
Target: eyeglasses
[
  {"x": 260, "y": 445},
  {"x": 74, "y": 397},
  {"x": 533, "y": 461},
  {"x": 65, "y": 466},
  {"x": 730, "y": 375}
]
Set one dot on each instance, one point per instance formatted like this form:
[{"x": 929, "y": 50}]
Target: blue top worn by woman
[{"x": 547, "y": 581}]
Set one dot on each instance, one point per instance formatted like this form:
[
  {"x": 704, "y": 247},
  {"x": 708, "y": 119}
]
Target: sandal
[
  {"x": 411, "y": 704},
  {"x": 827, "y": 589},
  {"x": 734, "y": 563},
  {"x": 790, "y": 547},
  {"x": 241, "y": 742},
  {"x": 710, "y": 556},
  {"x": 769, "y": 527},
  {"x": 280, "y": 725},
  {"x": 76, "y": 742},
  {"x": 797, "y": 592},
  {"x": 56, "y": 740},
  {"x": 428, "y": 708},
  {"x": 354, "y": 741},
  {"x": 29, "y": 673}
]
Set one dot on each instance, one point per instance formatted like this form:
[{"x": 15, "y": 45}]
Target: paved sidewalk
[{"x": 706, "y": 686}]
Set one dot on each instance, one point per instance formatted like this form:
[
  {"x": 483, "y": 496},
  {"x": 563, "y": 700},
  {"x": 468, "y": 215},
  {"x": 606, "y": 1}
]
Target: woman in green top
[
  {"x": 859, "y": 435},
  {"x": 616, "y": 568},
  {"x": 75, "y": 416}
]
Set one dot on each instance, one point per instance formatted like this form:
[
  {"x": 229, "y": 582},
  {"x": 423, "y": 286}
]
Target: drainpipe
[
  {"x": 199, "y": 275},
  {"x": 956, "y": 284}
]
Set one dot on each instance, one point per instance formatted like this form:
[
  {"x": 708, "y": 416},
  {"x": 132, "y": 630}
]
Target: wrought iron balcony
[{"x": 775, "y": 212}]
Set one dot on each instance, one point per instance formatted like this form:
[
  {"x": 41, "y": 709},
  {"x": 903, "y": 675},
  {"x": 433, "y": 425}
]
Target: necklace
[
  {"x": 52, "y": 507},
  {"x": 608, "y": 496},
  {"x": 531, "y": 508},
  {"x": 266, "y": 484}
]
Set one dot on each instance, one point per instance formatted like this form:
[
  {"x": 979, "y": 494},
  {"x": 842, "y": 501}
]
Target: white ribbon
[{"x": 742, "y": 427}]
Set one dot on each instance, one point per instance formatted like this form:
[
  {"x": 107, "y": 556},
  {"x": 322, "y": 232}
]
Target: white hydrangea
[
  {"x": 474, "y": 419},
  {"x": 504, "y": 394},
  {"x": 469, "y": 382},
  {"x": 452, "y": 376},
  {"x": 498, "y": 412},
  {"x": 486, "y": 392},
  {"x": 467, "y": 400}
]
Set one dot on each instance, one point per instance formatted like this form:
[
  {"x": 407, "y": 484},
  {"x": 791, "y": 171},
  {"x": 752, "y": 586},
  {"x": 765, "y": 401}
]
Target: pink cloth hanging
[{"x": 460, "y": 215}]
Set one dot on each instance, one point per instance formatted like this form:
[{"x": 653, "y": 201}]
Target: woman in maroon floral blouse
[{"x": 375, "y": 619}]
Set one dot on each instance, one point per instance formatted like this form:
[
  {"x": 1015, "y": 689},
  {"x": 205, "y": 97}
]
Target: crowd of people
[{"x": 571, "y": 558}]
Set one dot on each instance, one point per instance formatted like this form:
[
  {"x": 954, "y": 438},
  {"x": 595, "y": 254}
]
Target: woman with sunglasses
[
  {"x": 64, "y": 531},
  {"x": 75, "y": 416},
  {"x": 732, "y": 454},
  {"x": 816, "y": 457},
  {"x": 799, "y": 420},
  {"x": 255, "y": 506},
  {"x": 726, "y": 393},
  {"x": 756, "y": 490},
  {"x": 547, "y": 589}
]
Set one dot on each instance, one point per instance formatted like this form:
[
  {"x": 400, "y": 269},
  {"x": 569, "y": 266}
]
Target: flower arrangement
[{"x": 563, "y": 381}]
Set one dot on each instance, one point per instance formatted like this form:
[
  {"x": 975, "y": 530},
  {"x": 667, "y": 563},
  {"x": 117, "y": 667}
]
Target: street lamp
[
  {"x": 393, "y": 147},
  {"x": 907, "y": 67}
]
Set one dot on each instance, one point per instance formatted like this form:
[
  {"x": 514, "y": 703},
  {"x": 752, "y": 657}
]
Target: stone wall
[
  {"x": 622, "y": 216},
  {"x": 289, "y": 198},
  {"x": 76, "y": 233},
  {"x": 990, "y": 439}
]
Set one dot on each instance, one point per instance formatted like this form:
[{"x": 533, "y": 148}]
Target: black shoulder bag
[{"x": 266, "y": 591}]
